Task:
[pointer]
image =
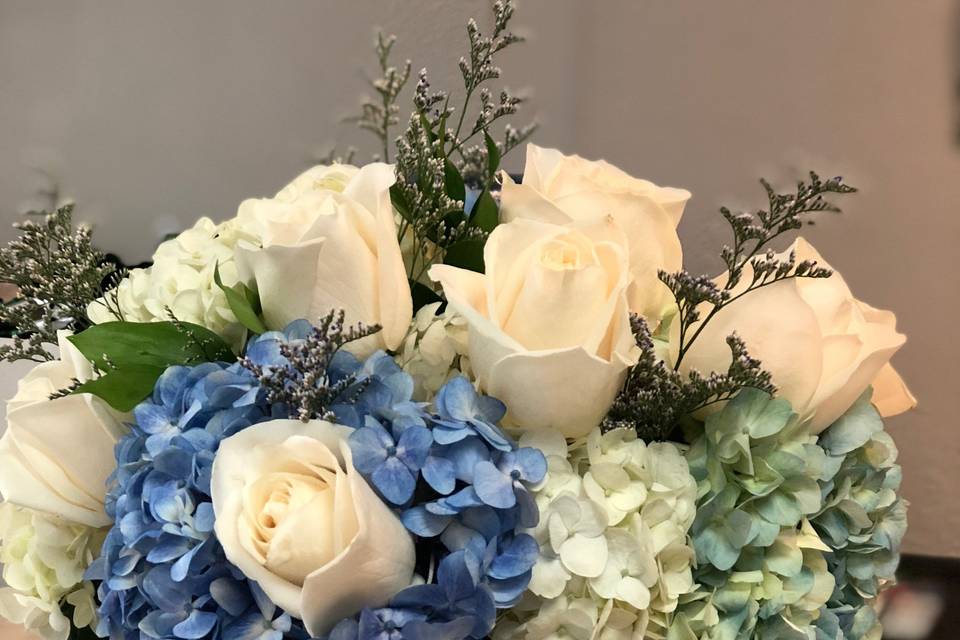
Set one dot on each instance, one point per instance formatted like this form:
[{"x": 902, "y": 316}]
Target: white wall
[{"x": 151, "y": 114}]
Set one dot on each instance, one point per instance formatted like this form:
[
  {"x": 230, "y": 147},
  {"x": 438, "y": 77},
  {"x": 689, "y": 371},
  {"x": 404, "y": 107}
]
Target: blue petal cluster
[
  {"x": 459, "y": 484},
  {"x": 163, "y": 573}
]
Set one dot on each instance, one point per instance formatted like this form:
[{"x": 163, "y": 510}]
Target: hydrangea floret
[
  {"x": 44, "y": 558},
  {"x": 435, "y": 350},
  {"x": 614, "y": 555},
  {"x": 165, "y": 575}
]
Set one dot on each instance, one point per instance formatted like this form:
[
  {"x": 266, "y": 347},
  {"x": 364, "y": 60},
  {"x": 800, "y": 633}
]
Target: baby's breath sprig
[
  {"x": 58, "y": 273},
  {"x": 702, "y": 297},
  {"x": 304, "y": 386}
]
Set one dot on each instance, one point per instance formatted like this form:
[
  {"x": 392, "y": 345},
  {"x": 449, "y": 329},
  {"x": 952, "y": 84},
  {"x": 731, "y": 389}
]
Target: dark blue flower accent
[{"x": 163, "y": 573}]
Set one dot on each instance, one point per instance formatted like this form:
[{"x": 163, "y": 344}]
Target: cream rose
[
  {"x": 823, "y": 346},
  {"x": 56, "y": 455},
  {"x": 564, "y": 189},
  {"x": 328, "y": 241},
  {"x": 549, "y": 330},
  {"x": 295, "y": 516}
]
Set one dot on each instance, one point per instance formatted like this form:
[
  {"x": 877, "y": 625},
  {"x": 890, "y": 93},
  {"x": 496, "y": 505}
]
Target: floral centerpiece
[{"x": 426, "y": 400}]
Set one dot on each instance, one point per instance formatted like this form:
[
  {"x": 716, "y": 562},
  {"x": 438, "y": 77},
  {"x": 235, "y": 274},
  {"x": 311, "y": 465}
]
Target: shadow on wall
[{"x": 925, "y": 605}]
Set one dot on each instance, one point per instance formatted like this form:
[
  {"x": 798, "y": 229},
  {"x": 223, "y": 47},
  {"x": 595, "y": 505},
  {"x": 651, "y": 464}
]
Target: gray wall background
[{"x": 150, "y": 114}]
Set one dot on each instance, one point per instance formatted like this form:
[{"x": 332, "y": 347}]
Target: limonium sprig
[
  {"x": 58, "y": 273},
  {"x": 303, "y": 386},
  {"x": 657, "y": 396},
  {"x": 752, "y": 235},
  {"x": 439, "y": 163}
]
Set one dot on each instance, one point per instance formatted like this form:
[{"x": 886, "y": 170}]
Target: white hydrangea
[
  {"x": 181, "y": 279},
  {"x": 614, "y": 552},
  {"x": 44, "y": 558},
  {"x": 434, "y": 350}
]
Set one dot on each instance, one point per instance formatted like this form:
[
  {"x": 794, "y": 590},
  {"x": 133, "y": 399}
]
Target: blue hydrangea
[
  {"x": 460, "y": 485},
  {"x": 456, "y": 480},
  {"x": 163, "y": 573}
]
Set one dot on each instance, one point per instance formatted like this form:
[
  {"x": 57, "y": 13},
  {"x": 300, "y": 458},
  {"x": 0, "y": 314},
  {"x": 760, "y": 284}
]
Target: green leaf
[
  {"x": 422, "y": 295},
  {"x": 132, "y": 355},
  {"x": 160, "y": 344},
  {"x": 425, "y": 123},
  {"x": 253, "y": 298},
  {"x": 453, "y": 181},
  {"x": 239, "y": 301},
  {"x": 466, "y": 254},
  {"x": 485, "y": 214},
  {"x": 442, "y": 131},
  {"x": 123, "y": 389},
  {"x": 493, "y": 154},
  {"x": 400, "y": 203}
]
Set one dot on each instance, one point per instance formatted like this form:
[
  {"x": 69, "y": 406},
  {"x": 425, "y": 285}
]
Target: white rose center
[
  {"x": 280, "y": 505},
  {"x": 561, "y": 255}
]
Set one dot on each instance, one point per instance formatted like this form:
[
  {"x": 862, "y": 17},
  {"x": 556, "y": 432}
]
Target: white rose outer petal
[
  {"x": 377, "y": 556},
  {"x": 56, "y": 455},
  {"x": 822, "y": 346},
  {"x": 329, "y": 242}
]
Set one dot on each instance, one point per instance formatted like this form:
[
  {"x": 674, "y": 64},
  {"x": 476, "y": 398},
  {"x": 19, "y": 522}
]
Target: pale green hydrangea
[
  {"x": 614, "y": 552},
  {"x": 795, "y": 535},
  {"x": 761, "y": 568},
  {"x": 44, "y": 559},
  {"x": 435, "y": 350},
  {"x": 863, "y": 520},
  {"x": 181, "y": 279}
]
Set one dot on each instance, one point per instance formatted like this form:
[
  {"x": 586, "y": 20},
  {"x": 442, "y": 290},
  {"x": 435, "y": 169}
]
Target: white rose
[
  {"x": 549, "y": 327},
  {"x": 328, "y": 241},
  {"x": 296, "y": 517},
  {"x": 823, "y": 346},
  {"x": 56, "y": 455},
  {"x": 563, "y": 189}
]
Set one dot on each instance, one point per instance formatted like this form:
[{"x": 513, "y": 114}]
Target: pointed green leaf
[
  {"x": 422, "y": 295},
  {"x": 493, "y": 154},
  {"x": 132, "y": 355},
  {"x": 150, "y": 343},
  {"x": 240, "y": 304},
  {"x": 466, "y": 254},
  {"x": 453, "y": 182},
  {"x": 425, "y": 123},
  {"x": 400, "y": 203},
  {"x": 486, "y": 214},
  {"x": 123, "y": 389}
]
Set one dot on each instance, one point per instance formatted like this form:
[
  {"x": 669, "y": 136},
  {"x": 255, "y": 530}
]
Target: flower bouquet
[{"x": 426, "y": 400}]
